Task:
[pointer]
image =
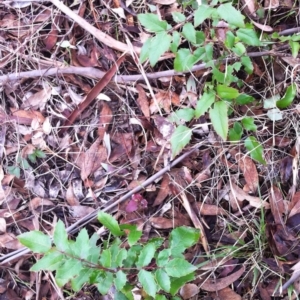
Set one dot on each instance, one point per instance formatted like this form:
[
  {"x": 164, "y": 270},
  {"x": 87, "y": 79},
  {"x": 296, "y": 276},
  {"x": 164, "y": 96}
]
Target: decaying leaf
[
  {"x": 189, "y": 290},
  {"x": 278, "y": 207},
  {"x": 163, "y": 191},
  {"x": 91, "y": 160},
  {"x": 247, "y": 166},
  {"x": 142, "y": 101},
  {"x": 164, "y": 99},
  {"x": 212, "y": 285},
  {"x": 227, "y": 294},
  {"x": 241, "y": 195}
]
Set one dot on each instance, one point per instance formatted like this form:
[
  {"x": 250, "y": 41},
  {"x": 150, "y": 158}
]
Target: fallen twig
[{"x": 97, "y": 74}]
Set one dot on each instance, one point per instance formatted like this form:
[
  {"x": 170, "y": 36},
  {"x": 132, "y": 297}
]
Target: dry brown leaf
[
  {"x": 105, "y": 119},
  {"x": 248, "y": 168},
  {"x": 80, "y": 211},
  {"x": 164, "y": 2},
  {"x": 38, "y": 100},
  {"x": 263, "y": 27},
  {"x": 91, "y": 160},
  {"x": 189, "y": 290},
  {"x": 277, "y": 204},
  {"x": 9, "y": 241},
  {"x": 142, "y": 101},
  {"x": 164, "y": 99},
  {"x": 165, "y": 223},
  {"x": 25, "y": 117},
  {"x": 2, "y": 225},
  {"x": 212, "y": 285},
  {"x": 37, "y": 202},
  {"x": 209, "y": 209},
  {"x": 242, "y": 195},
  {"x": 227, "y": 294},
  {"x": 163, "y": 190},
  {"x": 294, "y": 206}
]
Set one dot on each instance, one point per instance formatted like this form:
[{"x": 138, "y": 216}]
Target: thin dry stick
[
  {"x": 98, "y": 34},
  {"x": 109, "y": 206},
  {"x": 97, "y": 74}
]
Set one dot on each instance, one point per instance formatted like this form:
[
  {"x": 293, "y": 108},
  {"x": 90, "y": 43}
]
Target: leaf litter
[{"x": 71, "y": 145}]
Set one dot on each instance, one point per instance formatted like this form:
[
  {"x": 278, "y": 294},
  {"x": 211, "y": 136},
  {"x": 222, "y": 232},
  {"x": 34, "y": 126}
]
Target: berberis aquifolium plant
[{"x": 112, "y": 263}]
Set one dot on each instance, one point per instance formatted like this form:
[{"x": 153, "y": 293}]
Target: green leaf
[
  {"x": 50, "y": 262},
  {"x": 231, "y": 15},
  {"x": 288, "y": 98},
  {"x": 36, "y": 241},
  {"x": 134, "y": 236},
  {"x": 177, "y": 283},
  {"x": 160, "y": 297},
  {"x": 148, "y": 282},
  {"x": 255, "y": 149},
  {"x": 81, "y": 246},
  {"x": 146, "y": 255},
  {"x": 295, "y": 48},
  {"x": 32, "y": 158},
  {"x": 202, "y": 13},
  {"x": 179, "y": 267},
  {"x": 178, "y": 17},
  {"x": 110, "y": 223},
  {"x": 132, "y": 255},
  {"x": 182, "y": 238},
  {"x": 120, "y": 280},
  {"x": 60, "y": 237},
  {"x": 248, "y": 124},
  {"x": 69, "y": 270},
  {"x": 185, "y": 60},
  {"x": 226, "y": 92},
  {"x": 239, "y": 49},
  {"x": 188, "y": 31},
  {"x": 14, "y": 170},
  {"x": 163, "y": 257},
  {"x": 230, "y": 39},
  {"x": 204, "y": 103},
  {"x": 247, "y": 63},
  {"x": 145, "y": 51},
  {"x": 159, "y": 45},
  {"x": 152, "y": 23},
  {"x": 105, "y": 258},
  {"x": 82, "y": 278},
  {"x": 248, "y": 36},
  {"x": 24, "y": 164},
  {"x": 122, "y": 254},
  {"x": 176, "y": 41},
  {"x": 185, "y": 114},
  {"x": 105, "y": 282},
  {"x": 163, "y": 280},
  {"x": 180, "y": 138},
  {"x": 39, "y": 153},
  {"x": 219, "y": 118},
  {"x": 200, "y": 38},
  {"x": 243, "y": 99},
  {"x": 236, "y": 132}
]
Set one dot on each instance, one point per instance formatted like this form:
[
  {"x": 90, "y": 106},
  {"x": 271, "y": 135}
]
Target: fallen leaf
[
  {"x": 242, "y": 195},
  {"x": 262, "y": 27},
  {"x": 106, "y": 116},
  {"x": 294, "y": 207},
  {"x": 142, "y": 101},
  {"x": 165, "y": 223},
  {"x": 212, "y": 285},
  {"x": 91, "y": 160},
  {"x": 277, "y": 205},
  {"x": 247, "y": 166},
  {"x": 227, "y": 294},
  {"x": 80, "y": 211},
  {"x": 189, "y": 290},
  {"x": 39, "y": 99},
  {"x": 209, "y": 209},
  {"x": 164, "y": 99},
  {"x": 163, "y": 190}
]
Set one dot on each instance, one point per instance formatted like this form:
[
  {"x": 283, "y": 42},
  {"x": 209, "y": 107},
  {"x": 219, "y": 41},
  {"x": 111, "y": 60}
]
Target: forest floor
[{"x": 85, "y": 125}]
